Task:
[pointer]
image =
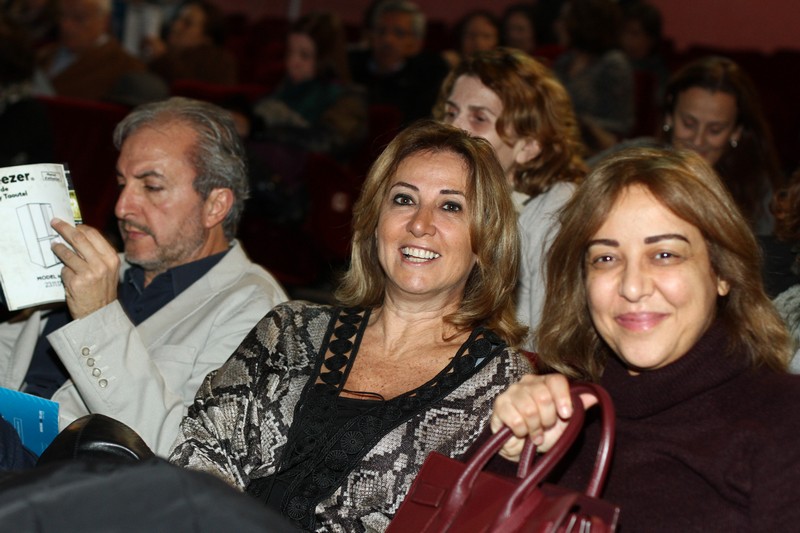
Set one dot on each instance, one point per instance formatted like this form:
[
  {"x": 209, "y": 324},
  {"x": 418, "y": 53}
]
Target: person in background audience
[
  {"x": 519, "y": 28},
  {"x": 327, "y": 413},
  {"x": 315, "y": 107},
  {"x": 781, "y": 248},
  {"x": 396, "y": 70},
  {"x": 137, "y": 22},
  {"x": 518, "y": 105},
  {"x": 477, "y": 31},
  {"x": 712, "y": 107},
  {"x": 781, "y": 252},
  {"x": 38, "y": 19},
  {"x": 654, "y": 291},
  {"x": 641, "y": 40},
  {"x": 596, "y": 73},
  {"x": 530, "y": 27},
  {"x": 86, "y": 62},
  {"x": 546, "y": 14},
  {"x": 135, "y": 342},
  {"x": 25, "y": 132},
  {"x": 194, "y": 47},
  {"x": 364, "y": 39}
]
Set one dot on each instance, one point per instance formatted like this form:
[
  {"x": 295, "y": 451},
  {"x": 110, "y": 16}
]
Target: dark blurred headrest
[{"x": 99, "y": 437}]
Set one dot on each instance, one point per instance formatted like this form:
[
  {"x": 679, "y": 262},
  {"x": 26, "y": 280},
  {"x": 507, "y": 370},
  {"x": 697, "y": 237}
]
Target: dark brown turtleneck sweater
[{"x": 703, "y": 444}]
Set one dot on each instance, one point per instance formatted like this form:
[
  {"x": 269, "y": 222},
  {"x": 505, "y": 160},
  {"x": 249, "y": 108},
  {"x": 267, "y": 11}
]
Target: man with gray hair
[
  {"x": 86, "y": 62},
  {"x": 396, "y": 70},
  {"x": 135, "y": 342}
]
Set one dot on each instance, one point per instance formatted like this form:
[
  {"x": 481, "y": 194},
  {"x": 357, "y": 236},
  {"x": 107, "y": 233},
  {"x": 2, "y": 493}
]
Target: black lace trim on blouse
[{"x": 321, "y": 451}]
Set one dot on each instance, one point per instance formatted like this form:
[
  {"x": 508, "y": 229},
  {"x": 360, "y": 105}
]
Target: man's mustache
[{"x": 124, "y": 224}]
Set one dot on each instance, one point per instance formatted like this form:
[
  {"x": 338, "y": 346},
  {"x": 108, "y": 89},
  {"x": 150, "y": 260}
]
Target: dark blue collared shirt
[
  {"x": 46, "y": 373},
  {"x": 141, "y": 302}
]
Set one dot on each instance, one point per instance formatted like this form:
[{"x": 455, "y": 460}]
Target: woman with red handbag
[
  {"x": 654, "y": 291},
  {"x": 327, "y": 413}
]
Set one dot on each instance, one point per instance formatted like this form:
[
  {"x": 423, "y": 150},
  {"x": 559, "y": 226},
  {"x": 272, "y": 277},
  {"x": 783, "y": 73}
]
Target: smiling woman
[
  {"x": 423, "y": 232},
  {"x": 327, "y": 413},
  {"x": 653, "y": 290},
  {"x": 492, "y": 226},
  {"x": 649, "y": 282},
  {"x": 632, "y": 200}
]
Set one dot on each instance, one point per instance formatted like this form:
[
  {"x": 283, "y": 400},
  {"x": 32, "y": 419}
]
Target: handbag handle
[
  {"x": 564, "y": 443},
  {"x": 463, "y": 486}
]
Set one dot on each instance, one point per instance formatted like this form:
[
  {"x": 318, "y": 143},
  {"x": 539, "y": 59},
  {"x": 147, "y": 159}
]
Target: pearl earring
[
  {"x": 734, "y": 143},
  {"x": 666, "y": 127}
]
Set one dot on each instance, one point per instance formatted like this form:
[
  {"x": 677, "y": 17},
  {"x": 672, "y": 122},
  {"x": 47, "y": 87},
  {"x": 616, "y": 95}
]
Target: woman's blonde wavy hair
[{"x": 489, "y": 292}]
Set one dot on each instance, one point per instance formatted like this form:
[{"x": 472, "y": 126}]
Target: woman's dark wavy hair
[
  {"x": 326, "y": 31},
  {"x": 526, "y": 10},
  {"x": 461, "y": 26},
  {"x": 215, "y": 27},
  {"x": 751, "y": 169}
]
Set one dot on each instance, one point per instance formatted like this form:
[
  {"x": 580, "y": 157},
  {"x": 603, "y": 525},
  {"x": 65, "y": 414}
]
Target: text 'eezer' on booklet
[{"x": 30, "y": 197}]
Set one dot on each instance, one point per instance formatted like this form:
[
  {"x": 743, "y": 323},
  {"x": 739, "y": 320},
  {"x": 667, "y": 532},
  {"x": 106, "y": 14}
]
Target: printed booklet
[{"x": 30, "y": 197}]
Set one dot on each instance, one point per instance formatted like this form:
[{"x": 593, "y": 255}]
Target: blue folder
[{"x": 34, "y": 418}]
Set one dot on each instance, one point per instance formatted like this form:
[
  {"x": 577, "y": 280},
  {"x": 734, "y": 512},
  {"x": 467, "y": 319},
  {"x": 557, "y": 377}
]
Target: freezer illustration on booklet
[{"x": 30, "y": 197}]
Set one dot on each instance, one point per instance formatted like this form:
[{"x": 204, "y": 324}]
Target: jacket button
[{"x": 103, "y": 383}]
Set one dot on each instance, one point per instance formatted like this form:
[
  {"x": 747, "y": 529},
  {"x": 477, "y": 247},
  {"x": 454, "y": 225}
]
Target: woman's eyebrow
[
  {"x": 415, "y": 188},
  {"x": 665, "y": 237},
  {"x": 603, "y": 242}
]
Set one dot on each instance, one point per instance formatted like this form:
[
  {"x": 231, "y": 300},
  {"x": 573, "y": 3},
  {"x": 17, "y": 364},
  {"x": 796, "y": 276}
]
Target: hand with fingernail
[
  {"x": 91, "y": 268},
  {"x": 536, "y": 407}
]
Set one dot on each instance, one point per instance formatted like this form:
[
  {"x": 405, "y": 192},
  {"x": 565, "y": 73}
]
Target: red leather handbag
[{"x": 448, "y": 495}]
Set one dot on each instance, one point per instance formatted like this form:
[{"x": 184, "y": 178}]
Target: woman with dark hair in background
[
  {"x": 315, "y": 107},
  {"x": 530, "y": 27},
  {"x": 477, "y": 31},
  {"x": 641, "y": 40},
  {"x": 595, "y": 72},
  {"x": 712, "y": 107},
  {"x": 518, "y": 27},
  {"x": 194, "y": 47}
]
